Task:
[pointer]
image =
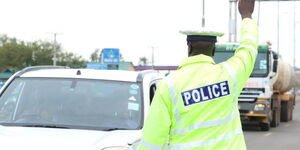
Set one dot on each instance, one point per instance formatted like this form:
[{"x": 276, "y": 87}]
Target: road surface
[{"x": 284, "y": 137}]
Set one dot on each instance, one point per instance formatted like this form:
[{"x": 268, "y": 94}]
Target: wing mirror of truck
[
  {"x": 275, "y": 65},
  {"x": 275, "y": 56},
  {"x": 275, "y": 62}
]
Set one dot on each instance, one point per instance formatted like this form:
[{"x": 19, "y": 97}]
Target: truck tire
[
  {"x": 276, "y": 110},
  {"x": 275, "y": 118},
  {"x": 264, "y": 126},
  {"x": 291, "y": 110},
  {"x": 291, "y": 116},
  {"x": 286, "y": 111}
]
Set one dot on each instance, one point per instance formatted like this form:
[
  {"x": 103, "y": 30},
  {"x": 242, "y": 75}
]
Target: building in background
[{"x": 4, "y": 76}]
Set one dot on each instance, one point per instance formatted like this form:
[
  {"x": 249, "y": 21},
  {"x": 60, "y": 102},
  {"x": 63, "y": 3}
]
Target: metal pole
[
  {"x": 278, "y": 26},
  {"x": 294, "y": 61},
  {"x": 54, "y": 50},
  {"x": 54, "y": 55},
  {"x": 258, "y": 13},
  {"x": 230, "y": 18},
  {"x": 152, "y": 56},
  {"x": 232, "y": 21},
  {"x": 203, "y": 13},
  {"x": 235, "y": 23}
]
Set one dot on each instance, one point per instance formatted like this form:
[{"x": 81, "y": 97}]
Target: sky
[{"x": 140, "y": 27}]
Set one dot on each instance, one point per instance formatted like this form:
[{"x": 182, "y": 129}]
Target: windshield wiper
[
  {"x": 112, "y": 129},
  {"x": 45, "y": 126}
]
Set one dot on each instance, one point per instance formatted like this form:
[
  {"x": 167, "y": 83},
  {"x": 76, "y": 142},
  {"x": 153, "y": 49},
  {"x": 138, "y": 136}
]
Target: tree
[
  {"x": 122, "y": 59},
  {"x": 42, "y": 52},
  {"x": 143, "y": 61},
  {"x": 71, "y": 60},
  {"x": 95, "y": 56},
  {"x": 43, "y": 55},
  {"x": 16, "y": 54}
]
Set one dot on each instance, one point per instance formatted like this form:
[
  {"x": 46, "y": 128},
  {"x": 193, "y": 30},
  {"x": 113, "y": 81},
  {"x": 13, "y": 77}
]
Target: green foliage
[
  {"x": 16, "y": 54},
  {"x": 71, "y": 60},
  {"x": 95, "y": 56},
  {"x": 143, "y": 61},
  {"x": 41, "y": 53}
]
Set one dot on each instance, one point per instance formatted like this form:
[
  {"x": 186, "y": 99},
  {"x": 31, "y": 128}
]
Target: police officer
[{"x": 196, "y": 106}]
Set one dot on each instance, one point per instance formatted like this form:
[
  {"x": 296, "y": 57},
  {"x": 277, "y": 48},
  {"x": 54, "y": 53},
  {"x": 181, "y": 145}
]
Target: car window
[{"x": 77, "y": 103}]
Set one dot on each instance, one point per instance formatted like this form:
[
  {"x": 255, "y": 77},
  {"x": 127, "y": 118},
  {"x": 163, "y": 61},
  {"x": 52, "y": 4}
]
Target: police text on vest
[{"x": 205, "y": 93}]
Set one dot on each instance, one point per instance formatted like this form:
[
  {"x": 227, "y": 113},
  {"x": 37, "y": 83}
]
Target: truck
[
  {"x": 267, "y": 97},
  {"x": 56, "y": 107}
]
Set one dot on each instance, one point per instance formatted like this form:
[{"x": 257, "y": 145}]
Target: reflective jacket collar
[{"x": 196, "y": 59}]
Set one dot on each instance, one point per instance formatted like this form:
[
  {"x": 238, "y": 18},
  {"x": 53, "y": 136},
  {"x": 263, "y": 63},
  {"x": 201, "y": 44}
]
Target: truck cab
[
  {"x": 62, "y": 108},
  {"x": 260, "y": 100}
]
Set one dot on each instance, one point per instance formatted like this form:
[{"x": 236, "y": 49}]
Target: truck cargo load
[{"x": 285, "y": 79}]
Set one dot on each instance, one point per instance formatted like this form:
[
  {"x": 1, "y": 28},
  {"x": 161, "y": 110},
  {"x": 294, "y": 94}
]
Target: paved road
[{"x": 284, "y": 137}]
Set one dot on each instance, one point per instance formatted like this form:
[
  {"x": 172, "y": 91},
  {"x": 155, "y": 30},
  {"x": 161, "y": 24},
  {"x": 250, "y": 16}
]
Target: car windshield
[
  {"x": 72, "y": 103},
  {"x": 260, "y": 66}
]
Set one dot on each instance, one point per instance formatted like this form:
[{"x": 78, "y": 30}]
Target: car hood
[{"x": 32, "y": 138}]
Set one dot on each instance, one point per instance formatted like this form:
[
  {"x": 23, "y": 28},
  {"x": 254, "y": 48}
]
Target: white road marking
[
  {"x": 287, "y": 125},
  {"x": 268, "y": 134}
]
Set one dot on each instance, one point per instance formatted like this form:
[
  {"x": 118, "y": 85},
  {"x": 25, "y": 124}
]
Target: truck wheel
[
  {"x": 264, "y": 126},
  {"x": 291, "y": 110},
  {"x": 275, "y": 118},
  {"x": 291, "y": 114},
  {"x": 285, "y": 111}
]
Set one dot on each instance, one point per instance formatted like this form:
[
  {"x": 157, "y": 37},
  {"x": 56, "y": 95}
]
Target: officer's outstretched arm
[
  {"x": 242, "y": 62},
  {"x": 244, "y": 58},
  {"x": 157, "y": 126}
]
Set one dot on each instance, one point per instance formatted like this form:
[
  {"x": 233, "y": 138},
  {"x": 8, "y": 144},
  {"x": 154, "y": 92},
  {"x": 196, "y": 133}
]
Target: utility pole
[
  {"x": 232, "y": 20},
  {"x": 54, "y": 57},
  {"x": 278, "y": 27},
  {"x": 203, "y": 13},
  {"x": 54, "y": 50},
  {"x": 152, "y": 56},
  {"x": 294, "y": 61}
]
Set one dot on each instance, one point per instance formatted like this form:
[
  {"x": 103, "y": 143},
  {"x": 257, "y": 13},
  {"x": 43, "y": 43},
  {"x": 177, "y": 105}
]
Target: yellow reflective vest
[{"x": 196, "y": 107}]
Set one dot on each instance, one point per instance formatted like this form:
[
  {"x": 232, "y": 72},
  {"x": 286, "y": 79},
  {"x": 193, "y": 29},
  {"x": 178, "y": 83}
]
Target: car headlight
[
  {"x": 259, "y": 107},
  {"x": 116, "y": 148}
]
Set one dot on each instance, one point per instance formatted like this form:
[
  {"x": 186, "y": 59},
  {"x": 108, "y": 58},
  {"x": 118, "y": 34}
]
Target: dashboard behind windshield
[{"x": 260, "y": 69}]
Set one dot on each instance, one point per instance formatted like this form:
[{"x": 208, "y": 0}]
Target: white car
[{"x": 59, "y": 108}]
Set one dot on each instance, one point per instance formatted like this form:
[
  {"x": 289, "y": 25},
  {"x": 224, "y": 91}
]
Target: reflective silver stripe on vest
[
  {"x": 233, "y": 76},
  {"x": 206, "y": 143},
  {"x": 151, "y": 146},
  {"x": 251, "y": 48},
  {"x": 204, "y": 125},
  {"x": 174, "y": 99}
]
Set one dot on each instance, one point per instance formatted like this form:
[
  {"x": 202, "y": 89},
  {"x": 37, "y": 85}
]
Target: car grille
[{"x": 250, "y": 94}]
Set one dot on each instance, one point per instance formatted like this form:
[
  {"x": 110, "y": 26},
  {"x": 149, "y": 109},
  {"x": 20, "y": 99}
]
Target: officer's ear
[
  {"x": 189, "y": 48},
  {"x": 213, "y": 51}
]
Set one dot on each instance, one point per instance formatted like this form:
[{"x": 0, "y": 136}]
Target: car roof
[{"x": 120, "y": 75}]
